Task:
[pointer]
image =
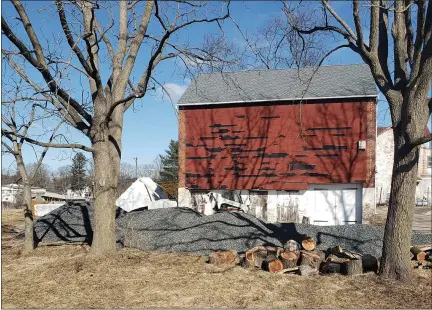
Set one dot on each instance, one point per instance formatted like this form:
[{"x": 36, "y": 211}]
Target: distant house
[
  {"x": 384, "y": 153},
  {"x": 54, "y": 197},
  {"x": 10, "y": 192},
  {"x": 292, "y": 144}
]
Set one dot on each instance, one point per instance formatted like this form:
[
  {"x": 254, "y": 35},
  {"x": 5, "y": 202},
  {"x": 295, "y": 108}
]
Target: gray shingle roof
[{"x": 284, "y": 84}]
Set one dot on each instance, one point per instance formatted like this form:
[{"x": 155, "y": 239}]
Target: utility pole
[{"x": 136, "y": 167}]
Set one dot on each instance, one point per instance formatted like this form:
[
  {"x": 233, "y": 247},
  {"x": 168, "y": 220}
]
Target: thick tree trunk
[
  {"x": 28, "y": 218},
  {"x": 106, "y": 140},
  {"x": 395, "y": 261},
  {"x": 106, "y": 180}
]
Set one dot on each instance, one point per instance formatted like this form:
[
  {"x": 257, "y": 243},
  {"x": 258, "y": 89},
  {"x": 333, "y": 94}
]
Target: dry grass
[{"x": 66, "y": 276}]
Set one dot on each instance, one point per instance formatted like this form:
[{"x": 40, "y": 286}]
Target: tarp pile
[{"x": 144, "y": 193}]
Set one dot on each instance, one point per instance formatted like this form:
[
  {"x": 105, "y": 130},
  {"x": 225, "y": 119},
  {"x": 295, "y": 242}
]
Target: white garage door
[{"x": 335, "y": 204}]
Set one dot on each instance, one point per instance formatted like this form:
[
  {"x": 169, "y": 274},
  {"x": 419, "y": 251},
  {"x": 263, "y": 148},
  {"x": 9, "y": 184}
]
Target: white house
[
  {"x": 9, "y": 193},
  {"x": 384, "y": 167}
]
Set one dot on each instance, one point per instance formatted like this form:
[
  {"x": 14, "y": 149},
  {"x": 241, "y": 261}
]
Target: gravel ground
[
  {"x": 183, "y": 230},
  {"x": 71, "y": 223}
]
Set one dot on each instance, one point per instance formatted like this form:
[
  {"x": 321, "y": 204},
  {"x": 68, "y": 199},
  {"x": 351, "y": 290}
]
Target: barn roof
[{"x": 342, "y": 81}]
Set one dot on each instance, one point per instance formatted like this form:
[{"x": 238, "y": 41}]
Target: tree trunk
[
  {"x": 28, "y": 218},
  {"x": 106, "y": 180},
  {"x": 395, "y": 261},
  {"x": 106, "y": 142}
]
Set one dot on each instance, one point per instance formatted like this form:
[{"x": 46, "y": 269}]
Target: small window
[{"x": 429, "y": 160}]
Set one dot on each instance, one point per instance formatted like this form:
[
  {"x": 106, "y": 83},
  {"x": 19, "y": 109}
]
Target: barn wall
[
  {"x": 275, "y": 206},
  {"x": 277, "y": 147}
]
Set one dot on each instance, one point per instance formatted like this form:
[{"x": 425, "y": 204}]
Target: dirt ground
[
  {"x": 422, "y": 219},
  {"x": 66, "y": 276}
]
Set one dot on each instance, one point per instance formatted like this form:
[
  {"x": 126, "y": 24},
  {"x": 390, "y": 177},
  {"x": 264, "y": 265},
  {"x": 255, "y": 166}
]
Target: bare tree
[
  {"x": 276, "y": 45},
  {"x": 15, "y": 133},
  {"x": 132, "y": 44},
  {"x": 61, "y": 180},
  {"x": 405, "y": 89}
]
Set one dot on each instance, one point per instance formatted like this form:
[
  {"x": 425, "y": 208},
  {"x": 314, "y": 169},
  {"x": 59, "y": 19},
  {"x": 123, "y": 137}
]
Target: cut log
[
  {"x": 273, "y": 266},
  {"x": 320, "y": 253},
  {"x": 273, "y": 252},
  {"x": 257, "y": 248},
  {"x": 285, "y": 270},
  {"x": 353, "y": 267},
  {"x": 308, "y": 244},
  {"x": 292, "y": 246},
  {"x": 419, "y": 255},
  {"x": 342, "y": 253},
  {"x": 259, "y": 257},
  {"x": 306, "y": 270},
  {"x": 224, "y": 258},
  {"x": 427, "y": 248},
  {"x": 255, "y": 257},
  {"x": 336, "y": 250},
  {"x": 334, "y": 259},
  {"x": 310, "y": 259},
  {"x": 370, "y": 263},
  {"x": 289, "y": 259},
  {"x": 330, "y": 267}
]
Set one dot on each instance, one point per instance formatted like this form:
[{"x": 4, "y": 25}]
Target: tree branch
[
  {"x": 42, "y": 67},
  {"x": 54, "y": 145},
  {"x": 69, "y": 113},
  {"x": 421, "y": 140},
  {"x": 69, "y": 37},
  {"x": 339, "y": 20}
]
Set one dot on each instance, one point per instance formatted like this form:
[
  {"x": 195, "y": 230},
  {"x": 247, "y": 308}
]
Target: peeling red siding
[{"x": 277, "y": 147}]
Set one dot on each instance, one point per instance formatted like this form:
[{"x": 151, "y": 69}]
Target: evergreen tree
[
  {"x": 169, "y": 162},
  {"x": 78, "y": 172}
]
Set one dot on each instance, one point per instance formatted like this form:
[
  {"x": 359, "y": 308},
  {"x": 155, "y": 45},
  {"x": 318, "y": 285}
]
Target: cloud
[{"x": 171, "y": 92}]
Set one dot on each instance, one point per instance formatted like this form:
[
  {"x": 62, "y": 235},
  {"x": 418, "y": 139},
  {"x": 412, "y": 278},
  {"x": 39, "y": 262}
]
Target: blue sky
[{"x": 150, "y": 126}]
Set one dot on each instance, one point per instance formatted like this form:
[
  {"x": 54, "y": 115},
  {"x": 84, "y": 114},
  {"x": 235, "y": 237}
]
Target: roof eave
[{"x": 275, "y": 100}]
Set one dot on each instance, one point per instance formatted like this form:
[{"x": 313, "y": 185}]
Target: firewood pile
[
  {"x": 422, "y": 256},
  {"x": 305, "y": 259}
]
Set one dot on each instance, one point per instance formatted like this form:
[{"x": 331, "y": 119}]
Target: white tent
[{"x": 144, "y": 193}]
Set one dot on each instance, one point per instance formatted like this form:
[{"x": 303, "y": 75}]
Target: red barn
[{"x": 291, "y": 145}]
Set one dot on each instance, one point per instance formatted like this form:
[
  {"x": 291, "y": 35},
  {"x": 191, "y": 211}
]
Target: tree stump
[
  {"x": 273, "y": 266},
  {"x": 289, "y": 259},
  {"x": 308, "y": 244},
  {"x": 370, "y": 263},
  {"x": 353, "y": 267},
  {"x": 292, "y": 246},
  {"x": 223, "y": 258}
]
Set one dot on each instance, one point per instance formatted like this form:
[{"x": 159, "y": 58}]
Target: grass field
[{"x": 66, "y": 276}]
